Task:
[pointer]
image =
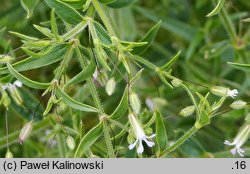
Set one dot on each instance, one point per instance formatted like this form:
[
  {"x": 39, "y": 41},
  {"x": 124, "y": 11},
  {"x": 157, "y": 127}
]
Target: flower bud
[
  {"x": 135, "y": 103},
  {"x": 5, "y": 100},
  {"x": 176, "y": 82},
  {"x": 8, "y": 154},
  {"x": 70, "y": 142},
  {"x": 187, "y": 111},
  {"x": 5, "y": 58},
  {"x": 239, "y": 104},
  {"x": 38, "y": 44},
  {"x": 219, "y": 90},
  {"x": 50, "y": 103},
  {"x": 25, "y": 132},
  {"x": 110, "y": 86}
]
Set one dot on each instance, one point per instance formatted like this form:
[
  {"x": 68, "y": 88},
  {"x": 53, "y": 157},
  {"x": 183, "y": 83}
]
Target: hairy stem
[{"x": 90, "y": 82}]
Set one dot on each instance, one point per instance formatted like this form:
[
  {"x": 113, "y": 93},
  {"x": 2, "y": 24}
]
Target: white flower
[
  {"x": 240, "y": 139},
  {"x": 232, "y": 93},
  {"x": 221, "y": 91},
  {"x": 140, "y": 134},
  {"x": 17, "y": 83}
]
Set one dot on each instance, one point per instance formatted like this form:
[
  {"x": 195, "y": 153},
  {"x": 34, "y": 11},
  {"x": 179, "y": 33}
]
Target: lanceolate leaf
[
  {"x": 44, "y": 31},
  {"x": 168, "y": 65},
  {"x": 77, "y": 4},
  {"x": 122, "y": 107},
  {"x": 65, "y": 12},
  {"x": 121, "y": 3},
  {"x": 107, "y": 1},
  {"x": 161, "y": 134},
  {"x": 88, "y": 140},
  {"x": 217, "y": 9},
  {"x": 84, "y": 74},
  {"x": 240, "y": 66},
  {"x": 33, "y": 62},
  {"x": 73, "y": 103},
  {"x": 102, "y": 33},
  {"x": 26, "y": 81},
  {"x": 149, "y": 38},
  {"x": 29, "y": 6}
]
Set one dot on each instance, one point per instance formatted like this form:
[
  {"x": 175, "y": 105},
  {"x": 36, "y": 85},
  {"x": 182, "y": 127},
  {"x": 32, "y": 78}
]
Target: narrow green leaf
[
  {"x": 22, "y": 36},
  {"x": 34, "y": 62},
  {"x": 73, "y": 103},
  {"x": 204, "y": 100},
  {"x": 122, "y": 107},
  {"x": 40, "y": 54},
  {"x": 168, "y": 65},
  {"x": 121, "y": 3},
  {"x": 53, "y": 23},
  {"x": 83, "y": 75},
  {"x": 217, "y": 9},
  {"x": 107, "y": 1},
  {"x": 65, "y": 12},
  {"x": 102, "y": 57},
  {"x": 149, "y": 38},
  {"x": 44, "y": 31},
  {"x": 240, "y": 66},
  {"x": 136, "y": 77},
  {"x": 26, "y": 81},
  {"x": 165, "y": 81},
  {"x": 75, "y": 30},
  {"x": 102, "y": 34},
  {"x": 76, "y": 4},
  {"x": 88, "y": 140},
  {"x": 161, "y": 134},
  {"x": 29, "y": 6}
]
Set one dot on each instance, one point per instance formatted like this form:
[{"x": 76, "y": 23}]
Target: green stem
[
  {"x": 180, "y": 141},
  {"x": 107, "y": 138},
  {"x": 61, "y": 144},
  {"x": 144, "y": 62},
  {"x": 228, "y": 26},
  {"x": 104, "y": 17},
  {"x": 64, "y": 64},
  {"x": 91, "y": 84},
  {"x": 232, "y": 33}
]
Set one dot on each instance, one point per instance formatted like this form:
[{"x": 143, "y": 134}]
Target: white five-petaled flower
[
  {"x": 140, "y": 134},
  {"x": 239, "y": 140}
]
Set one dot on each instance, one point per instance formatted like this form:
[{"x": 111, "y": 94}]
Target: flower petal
[
  {"x": 140, "y": 149},
  {"x": 151, "y": 136},
  {"x": 233, "y": 151},
  {"x": 131, "y": 146},
  {"x": 226, "y": 142},
  {"x": 240, "y": 152},
  {"x": 18, "y": 83},
  {"x": 149, "y": 143}
]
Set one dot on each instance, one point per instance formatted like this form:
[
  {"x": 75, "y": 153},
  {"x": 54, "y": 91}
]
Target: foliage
[{"x": 99, "y": 77}]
